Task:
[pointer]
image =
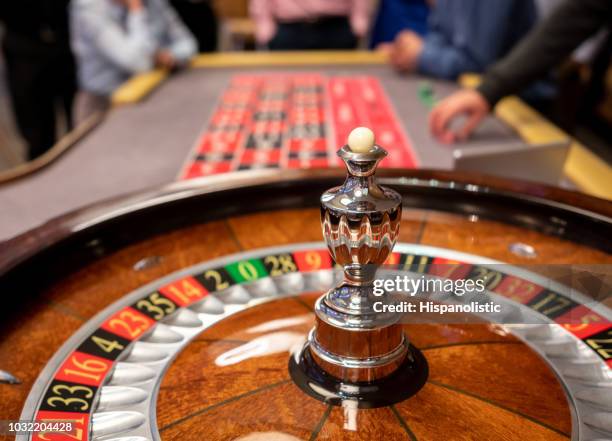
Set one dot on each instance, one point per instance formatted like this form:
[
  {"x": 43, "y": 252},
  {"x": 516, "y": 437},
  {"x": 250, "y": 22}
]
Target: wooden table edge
[
  {"x": 140, "y": 86},
  {"x": 64, "y": 144},
  {"x": 14, "y": 249},
  {"x": 587, "y": 171}
]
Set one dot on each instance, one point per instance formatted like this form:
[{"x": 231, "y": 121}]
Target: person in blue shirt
[
  {"x": 464, "y": 36},
  {"x": 115, "y": 39},
  {"x": 395, "y": 16}
]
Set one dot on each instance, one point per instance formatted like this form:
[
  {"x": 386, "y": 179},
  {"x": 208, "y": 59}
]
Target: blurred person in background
[
  {"x": 464, "y": 36},
  {"x": 114, "y": 39},
  {"x": 310, "y": 24},
  {"x": 40, "y": 68},
  {"x": 569, "y": 25},
  {"x": 200, "y": 18},
  {"x": 395, "y": 16}
]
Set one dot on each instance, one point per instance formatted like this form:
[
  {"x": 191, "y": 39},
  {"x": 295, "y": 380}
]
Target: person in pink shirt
[{"x": 310, "y": 24}]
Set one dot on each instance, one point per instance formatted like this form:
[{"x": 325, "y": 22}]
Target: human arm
[
  {"x": 564, "y": 30},
  {"x": 433, "y": 55},
  {"x": 181, "y": 44},
  {"x": 570, "y": 24},
  {"x": 438, "y": 57},
  {"x": 469, "y": 35},
  {"x": 265, "y": 24},
  {"x": 359, "y": 17},
  {"x": 130, "y": 49}
]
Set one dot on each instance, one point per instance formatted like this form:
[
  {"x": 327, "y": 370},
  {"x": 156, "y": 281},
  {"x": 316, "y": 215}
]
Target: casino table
[
  {"x": 159, "y": 130},
  {"x": 142, "y": 305},
  {"x": 173, "y": 314}
]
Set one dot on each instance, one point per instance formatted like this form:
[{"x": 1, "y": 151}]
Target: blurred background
[{"x": 39, "y": 83}]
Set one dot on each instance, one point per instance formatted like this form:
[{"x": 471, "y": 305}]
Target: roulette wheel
[{"x": 211, "y": 309}]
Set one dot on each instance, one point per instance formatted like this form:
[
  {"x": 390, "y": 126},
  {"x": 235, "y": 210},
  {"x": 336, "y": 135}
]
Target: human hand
[
  {"x": 384, "y": 48},
  {"x": 165, "y": 59},
  {"x": 134, "y": 5},
  {"x": 406, "y": 50},
  {"x": 468, "y": 102}
]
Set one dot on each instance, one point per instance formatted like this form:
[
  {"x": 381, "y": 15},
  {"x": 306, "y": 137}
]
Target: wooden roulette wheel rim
[{"x": 236, "y": 403}]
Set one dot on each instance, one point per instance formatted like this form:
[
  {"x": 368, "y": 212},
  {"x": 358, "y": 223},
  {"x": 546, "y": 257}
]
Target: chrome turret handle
[{"x": 360, "y": 221}]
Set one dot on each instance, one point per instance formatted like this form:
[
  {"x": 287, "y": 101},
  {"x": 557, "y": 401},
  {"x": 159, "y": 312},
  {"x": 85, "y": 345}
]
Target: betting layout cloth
[{"x": 295, "y": 120}]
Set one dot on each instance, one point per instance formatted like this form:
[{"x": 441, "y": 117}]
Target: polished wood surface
[
  {"x": 20, "y": 248},
  {"x": 30, "y": 336},
  {"x": 478, "y": 387}
]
